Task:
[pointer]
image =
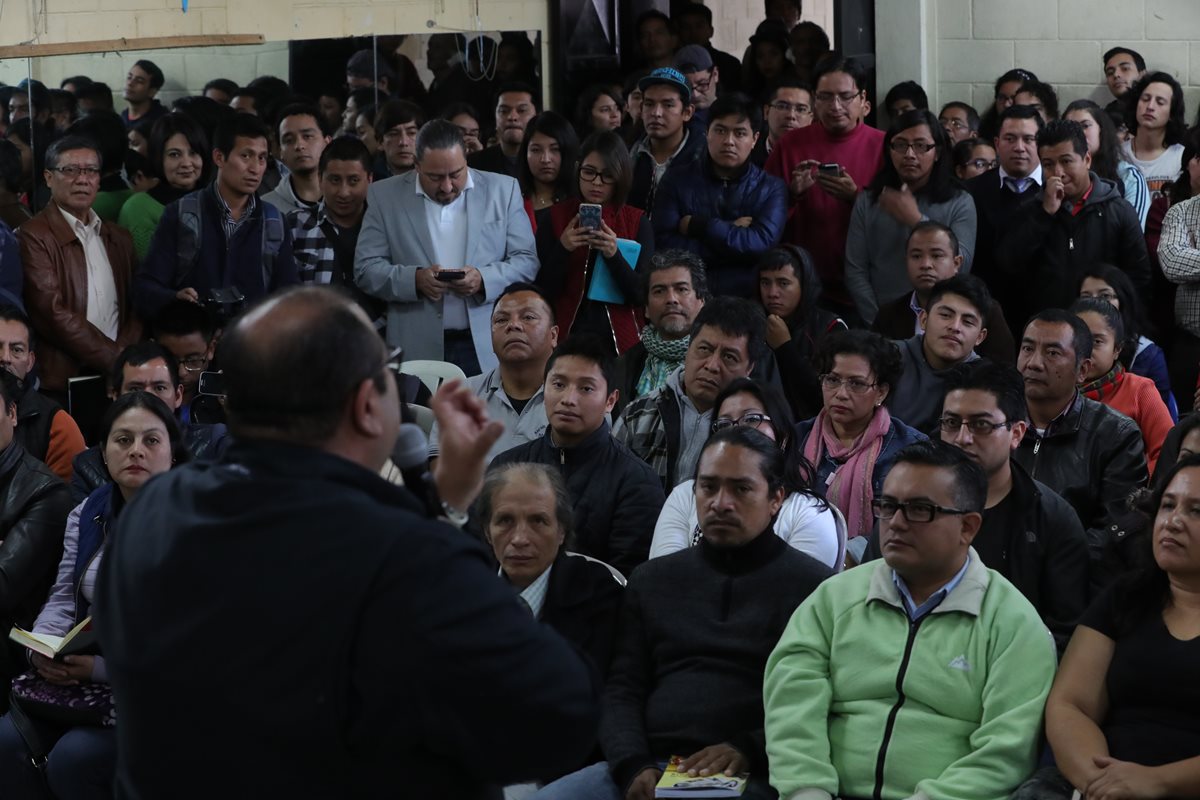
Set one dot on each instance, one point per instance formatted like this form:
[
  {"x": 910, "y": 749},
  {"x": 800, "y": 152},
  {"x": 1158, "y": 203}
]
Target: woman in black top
[{"x": 1123, "y": 717}]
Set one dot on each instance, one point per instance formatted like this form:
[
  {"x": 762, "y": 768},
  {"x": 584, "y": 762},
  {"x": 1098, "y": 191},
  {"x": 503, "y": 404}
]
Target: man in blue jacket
[
  {"x": 727, "y": 210},
  {"x": 221, "y": 236}
]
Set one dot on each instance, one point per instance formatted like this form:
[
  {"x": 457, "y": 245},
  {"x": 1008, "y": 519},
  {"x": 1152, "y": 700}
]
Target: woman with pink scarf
[{"x": 854, "y": 440}]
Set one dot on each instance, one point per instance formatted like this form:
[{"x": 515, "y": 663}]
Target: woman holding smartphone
[{"x": 582, "y": 236}]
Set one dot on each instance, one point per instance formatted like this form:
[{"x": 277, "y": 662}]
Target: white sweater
[{"x": 801, "y": 522}]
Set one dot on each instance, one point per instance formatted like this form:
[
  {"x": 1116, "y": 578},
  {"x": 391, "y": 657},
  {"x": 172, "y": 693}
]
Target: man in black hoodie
[
  {"x": 616, "y": 495},
  {"x": 1081, "y": 219}
]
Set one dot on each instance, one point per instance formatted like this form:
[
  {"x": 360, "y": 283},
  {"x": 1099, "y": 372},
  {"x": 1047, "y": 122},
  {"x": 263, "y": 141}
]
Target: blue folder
[{"x": 604, "y": 288}]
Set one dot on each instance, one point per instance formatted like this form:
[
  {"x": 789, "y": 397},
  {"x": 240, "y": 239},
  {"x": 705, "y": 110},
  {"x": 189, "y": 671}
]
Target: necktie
[{"x": 1014, "y": 184}]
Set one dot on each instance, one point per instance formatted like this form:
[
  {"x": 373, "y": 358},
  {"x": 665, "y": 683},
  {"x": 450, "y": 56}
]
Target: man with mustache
[
  {"x": 695, "y": 631},
  {"x": 516, "y": 104},
  {"x": 953, "y": 321},
  {"x": 667, "y": 427}
]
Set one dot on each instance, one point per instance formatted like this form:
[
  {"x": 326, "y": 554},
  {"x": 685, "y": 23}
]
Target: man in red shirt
[{"x": 822, "y": 198}]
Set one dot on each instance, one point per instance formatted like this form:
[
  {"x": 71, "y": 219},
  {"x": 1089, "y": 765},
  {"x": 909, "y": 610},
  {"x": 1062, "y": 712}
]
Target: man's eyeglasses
[
  {"x": 784, "y": 107},
  {"x": 590, "y": 174},
  {"x": 913, "y": 510},
  {"x": 977, "y": 426},
  {"x": 702, "y": 86},
  {"x": 751, "y": 420},
  {"x": 833, "y": 382},
  {"x": 846, "y": 97},
  {"x": 900, "y": 147},
  {"x": 73, "y": 171},
  {"x": 194, "y": 363},
  {"x": 956, "y": 124}
]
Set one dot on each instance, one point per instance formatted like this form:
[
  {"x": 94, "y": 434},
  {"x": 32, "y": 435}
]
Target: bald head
[{"x": 294, "y": 363}]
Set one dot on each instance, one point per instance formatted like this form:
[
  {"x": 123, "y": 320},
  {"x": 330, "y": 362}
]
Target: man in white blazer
[{"x": 444, "y": 217}]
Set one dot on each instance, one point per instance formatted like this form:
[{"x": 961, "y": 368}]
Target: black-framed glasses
[
  {"x": 846, "y": 97},
  {"x": 983, "y": 163},
  {"x": 750, "y": 420},
  {"x": 394, "y": 360},
  {"x": 1107, "y": 295},
  {"x": 978, "y": 426},
  {"x": 590, "y": 174},
  {"x": 73, "y": 171},
  {"x": 854, "y": 385},
  {"x": 913, "y": 510},
  {"x": 900, "y": 147},
  {"x": 194, "y": 363}
]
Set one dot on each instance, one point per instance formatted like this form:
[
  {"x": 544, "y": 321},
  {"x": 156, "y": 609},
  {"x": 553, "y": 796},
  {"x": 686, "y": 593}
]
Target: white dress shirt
[
  {"x": 448, "y": 230},
  {"x": 102, "y": 308}
]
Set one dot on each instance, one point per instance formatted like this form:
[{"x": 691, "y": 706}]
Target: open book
[
  {"x": 674, "y": 783},
  {"x": 80, "y": 639}
]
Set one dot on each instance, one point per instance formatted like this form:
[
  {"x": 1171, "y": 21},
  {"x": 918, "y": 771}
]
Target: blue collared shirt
[{"x": 915, "y": 612}]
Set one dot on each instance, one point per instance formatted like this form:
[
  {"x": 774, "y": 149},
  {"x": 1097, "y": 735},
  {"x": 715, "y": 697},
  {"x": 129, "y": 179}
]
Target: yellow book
[
  {"x": 674, "y": 783},
  {"x": 79, "y": 639}
]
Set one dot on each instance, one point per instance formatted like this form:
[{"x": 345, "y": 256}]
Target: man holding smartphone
[
  {"x": 439, "y": 244},
  {"x": 826, "y": 165}
]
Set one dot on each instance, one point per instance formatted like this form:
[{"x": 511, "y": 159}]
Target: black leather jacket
[
  {"x": 1093, "y": 456},
  {"x": 204, "y": 442},
  {"x": 34, "y": 504}
]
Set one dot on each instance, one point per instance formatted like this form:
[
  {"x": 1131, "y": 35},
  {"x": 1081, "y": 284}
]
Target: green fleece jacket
[{"x": 973, "y": 676}]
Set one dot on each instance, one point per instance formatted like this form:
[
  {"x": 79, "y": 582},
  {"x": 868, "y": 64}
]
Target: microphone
[{"x": 411, "y": 456}]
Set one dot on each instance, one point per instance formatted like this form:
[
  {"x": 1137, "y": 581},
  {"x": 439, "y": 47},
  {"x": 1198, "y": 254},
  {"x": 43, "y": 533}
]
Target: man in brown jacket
[{"x": 77, "y": 272}]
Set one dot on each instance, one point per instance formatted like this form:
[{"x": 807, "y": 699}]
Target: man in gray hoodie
[{"x": 953, "y": 321}]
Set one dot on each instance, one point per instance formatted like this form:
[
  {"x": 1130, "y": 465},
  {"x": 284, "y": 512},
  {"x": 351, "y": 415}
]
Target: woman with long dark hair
[
  {"x": 806, "y": 520},
  {"x": 1154, "y": 115},
  {"x": 599, "y": 109},
  {"x": 182, "y": 162},
  {"x": 789, "y": 288},
  {"x": 1107, "y": 159},
  {"x": 1120, "y": 716},
  {"x": 545, "y": 162},
  {"x": 570, "y": 250},
  {"x": 916, "y": 183}
]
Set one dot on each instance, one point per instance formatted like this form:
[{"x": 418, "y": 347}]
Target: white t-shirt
[
  {"x": 801, "y": 522},
  {"x": 1161, "y": 170}
]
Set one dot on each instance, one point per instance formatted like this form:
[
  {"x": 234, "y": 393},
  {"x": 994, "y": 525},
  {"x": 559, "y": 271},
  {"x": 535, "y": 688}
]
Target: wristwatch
[{"x": 456, "y": 517}]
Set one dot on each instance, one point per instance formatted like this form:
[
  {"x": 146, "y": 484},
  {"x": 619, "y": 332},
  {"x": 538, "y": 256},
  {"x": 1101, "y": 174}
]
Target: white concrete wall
[
  {"x": 734, "y": 21},
  {"x": 1062, "y": 41}
]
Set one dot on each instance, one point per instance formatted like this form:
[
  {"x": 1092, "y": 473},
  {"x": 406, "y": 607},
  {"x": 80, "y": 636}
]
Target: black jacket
[
  {"x": 492, "y": 159},
  {"x": 995, "y": 209},
  {"x": 641, "y": 195},
  {"x": 616, "y": 495},
  {"x": 1045, "y": 552},
  {"x": 896, "y": 320},
  {"x": 795, "y": 363},
  {"x": 350, "y": 641},
  {"x": 89, "y": 472},
  {"x": 1094, "y": 458},
  {"x": 1047, "y": 255},
  {"x": 34, "y": 504}
]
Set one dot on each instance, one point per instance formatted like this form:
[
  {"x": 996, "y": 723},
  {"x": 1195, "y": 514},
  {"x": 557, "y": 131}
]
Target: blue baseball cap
[{"x": 666, "y": 76}]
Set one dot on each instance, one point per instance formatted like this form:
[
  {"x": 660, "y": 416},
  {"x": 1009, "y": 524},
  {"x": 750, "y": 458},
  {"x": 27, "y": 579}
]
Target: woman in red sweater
[
  {"x": 1108, "y": 382},
  {"x": 569, "y": 252}
]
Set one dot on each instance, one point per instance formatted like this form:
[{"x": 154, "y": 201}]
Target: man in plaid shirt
[{"x": 323, "y": 240}]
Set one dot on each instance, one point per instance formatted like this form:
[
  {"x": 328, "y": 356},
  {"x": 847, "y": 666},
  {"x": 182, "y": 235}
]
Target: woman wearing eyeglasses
[
  {"x": 570, "y": 251},
  {"x": 805, "y": 521},
  {"x": 853, "y": 442},
  {"x": 973, "y": 157},
  {"x": 916, "y": 184}
]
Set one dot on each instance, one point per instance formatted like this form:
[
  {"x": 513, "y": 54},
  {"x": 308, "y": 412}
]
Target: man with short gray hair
[{"x": 439, "y": 244}]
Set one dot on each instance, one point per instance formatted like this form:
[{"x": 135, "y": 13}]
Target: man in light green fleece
[{"x": 918, "y": 677}]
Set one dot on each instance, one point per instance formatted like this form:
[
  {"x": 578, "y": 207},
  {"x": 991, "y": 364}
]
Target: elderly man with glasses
[
  {"x": 78, "y": 270},
  {"x": 921, "y": 675}
]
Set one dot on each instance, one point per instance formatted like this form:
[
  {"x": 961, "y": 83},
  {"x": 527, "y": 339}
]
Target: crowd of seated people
[{"x": 852, "y": 457}]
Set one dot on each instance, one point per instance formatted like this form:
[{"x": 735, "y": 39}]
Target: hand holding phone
[
  {"x": 832, "y": 170},
  {"x": 589, "y": 216},
  {"x": 450, "y": 275}
]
